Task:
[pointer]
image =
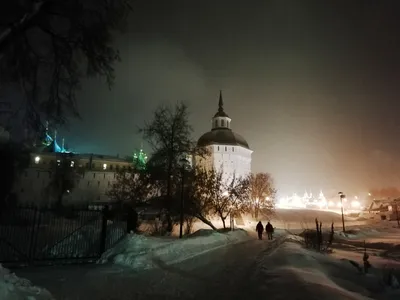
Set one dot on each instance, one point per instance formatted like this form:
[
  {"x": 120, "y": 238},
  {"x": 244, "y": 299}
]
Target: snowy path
[{"x": 221, "y": 274}]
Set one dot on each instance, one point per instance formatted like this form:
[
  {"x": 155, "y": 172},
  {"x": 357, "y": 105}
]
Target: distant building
[
  {"x": 385, "y": 209},
  {"x": 228, "y": 151},
  {"x": 95, "y": 174}
]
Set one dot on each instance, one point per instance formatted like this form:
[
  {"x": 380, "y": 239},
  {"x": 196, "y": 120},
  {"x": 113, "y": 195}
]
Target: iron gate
[{"x": 31, "y": 235}]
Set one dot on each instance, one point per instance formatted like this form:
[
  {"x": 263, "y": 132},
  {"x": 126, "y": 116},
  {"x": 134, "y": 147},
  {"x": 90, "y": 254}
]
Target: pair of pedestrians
[{"x": 268, "y": 228}]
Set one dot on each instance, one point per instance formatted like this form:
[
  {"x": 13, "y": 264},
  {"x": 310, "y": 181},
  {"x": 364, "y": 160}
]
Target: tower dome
[{"x": 221, "y": 132}]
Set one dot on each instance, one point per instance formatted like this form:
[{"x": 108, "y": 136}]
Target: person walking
[
  {"x": 260, "y": 229},
  {"x": 270, "y": 230}
]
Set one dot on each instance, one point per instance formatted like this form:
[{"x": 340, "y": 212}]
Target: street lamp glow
[
  {"x": 355, "y": 204},
  {"x": 37, "y": 159}
]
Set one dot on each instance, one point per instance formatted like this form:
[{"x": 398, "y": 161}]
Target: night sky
[{"x": 312, "y": 85}]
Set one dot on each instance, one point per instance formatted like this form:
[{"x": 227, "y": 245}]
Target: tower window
[
  {"x": 233, "y": 149},
  {"x": 226, "y": 149},
  {"x": 218, "y": 148},
  {"x": 222, "y": 123},
  {"x": 216, "y": 123}
]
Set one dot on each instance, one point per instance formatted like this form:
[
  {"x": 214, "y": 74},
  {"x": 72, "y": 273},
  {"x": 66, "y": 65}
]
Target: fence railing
[{"x": 29, "y": 235}]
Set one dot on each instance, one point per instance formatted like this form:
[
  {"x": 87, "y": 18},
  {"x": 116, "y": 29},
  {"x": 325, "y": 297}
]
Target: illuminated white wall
[{"x": 233, "y": 160}]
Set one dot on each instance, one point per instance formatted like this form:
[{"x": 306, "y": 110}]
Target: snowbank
[
  {"x": 142, "y": 252},
  {"x": 315, "y": 275},
  {"x": 14, "y": 288}
]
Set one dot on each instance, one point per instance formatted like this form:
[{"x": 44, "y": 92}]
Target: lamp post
[
  {"x": 184, "y": 163},
  {"x": 397, "y": 212},
  {"x": 342, "y": 196}
]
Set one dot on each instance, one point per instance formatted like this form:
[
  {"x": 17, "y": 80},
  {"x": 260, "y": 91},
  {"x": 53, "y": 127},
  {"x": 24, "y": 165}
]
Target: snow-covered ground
[
  {"x": 143, "y": 252},
  {"x": 236, "y": 265},
  {"x": 312, "y": 275},
  {"x": 380, "y": 240},
  {"x": 278, "y": 269},
  {"x": 14, "y": 288}
]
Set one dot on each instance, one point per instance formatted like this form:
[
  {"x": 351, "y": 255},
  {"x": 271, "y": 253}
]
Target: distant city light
[
  {"x": 37, "y": 159},
  {"x": 355, "y": 204}
]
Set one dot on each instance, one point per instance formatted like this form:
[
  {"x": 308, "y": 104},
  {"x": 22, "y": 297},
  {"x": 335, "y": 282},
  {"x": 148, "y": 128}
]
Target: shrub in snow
[
  {"x": 14, "y": 288},
  {"x": 315, "y": 239},
  {"x": 390, "y": 279}
]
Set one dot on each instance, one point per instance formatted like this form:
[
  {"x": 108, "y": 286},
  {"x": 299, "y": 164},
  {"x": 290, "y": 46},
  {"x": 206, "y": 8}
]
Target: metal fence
[{"x": 30, "y": 235}]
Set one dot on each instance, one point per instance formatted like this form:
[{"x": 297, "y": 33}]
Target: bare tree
[
  {"x": 226, "y": 198},
  {"x": 262, "y": 193},
  {"x": 132, "y": 186},
  {"x": 238, "y": 191},
  {"x": 169, "y": 134},
  {"x": 201, "y": 194},
  {"x": 48, "y": 46}
]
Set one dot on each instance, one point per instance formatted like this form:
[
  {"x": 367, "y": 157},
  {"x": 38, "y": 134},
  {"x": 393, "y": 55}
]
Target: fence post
[
  {"x": 103, "y": 234},
  {"x": 32, "y": 235}
]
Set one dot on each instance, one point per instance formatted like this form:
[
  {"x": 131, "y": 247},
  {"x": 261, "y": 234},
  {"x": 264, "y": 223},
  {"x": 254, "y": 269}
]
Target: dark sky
[{"x": 312, "y": 85}]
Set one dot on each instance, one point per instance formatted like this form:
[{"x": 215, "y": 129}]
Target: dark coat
[
  {"x": 269, "y": 227},
  {"x": 260, "y": 227}
]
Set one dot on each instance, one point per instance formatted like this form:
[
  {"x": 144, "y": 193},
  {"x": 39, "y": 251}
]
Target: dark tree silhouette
[
  {"x": 48, "y": 46},
  {"x": 202, "y": 190},
  {"x": 169, "y": 134},
  {"x": 132, "y": 187},
  {"x": 14, "y": 158}
]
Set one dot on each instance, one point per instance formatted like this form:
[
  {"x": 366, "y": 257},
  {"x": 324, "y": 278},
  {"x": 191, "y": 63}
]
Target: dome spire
[{"x": 220, "y": 103}]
